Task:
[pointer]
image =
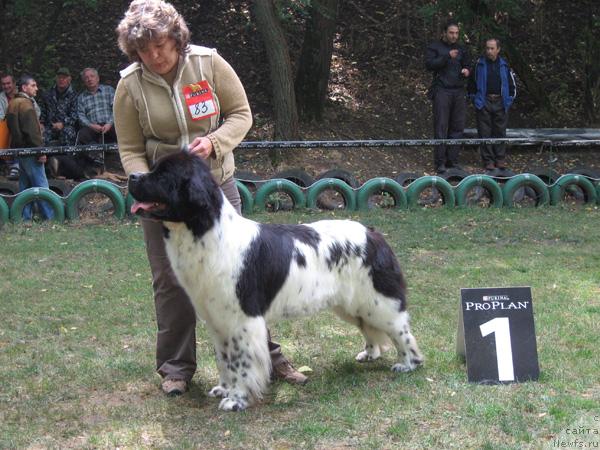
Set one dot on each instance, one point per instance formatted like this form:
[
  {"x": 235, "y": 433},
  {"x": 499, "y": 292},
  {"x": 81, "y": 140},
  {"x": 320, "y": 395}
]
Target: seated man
[
  {"x": 59, "y": 111},
  {"x": 95, "y": 115}
]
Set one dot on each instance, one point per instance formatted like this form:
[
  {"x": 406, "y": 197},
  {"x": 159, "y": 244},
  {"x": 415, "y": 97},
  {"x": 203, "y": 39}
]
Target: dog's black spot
[
  {"x": 416, "y": 361},
  {"x": 267, "y": 264},
  {"x": 224, "y": 356},
  {"x": 412, "y": 350},
  {"x": 384, "y": 269},
  {"x": 166, "y": 232},
  {"x": 401, "y": 333},
  {"x": 300, "y": 258},
  {"x": 244, "y": 374},
  {"x": 407, "y": 341},
  {"x": 341, "y": 252}
]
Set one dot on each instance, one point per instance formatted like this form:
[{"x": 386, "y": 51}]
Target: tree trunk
[
  {"x": 315, "y": 60},
  {"x": 284, "y": 99},
  {"x": 591, "y": 74}
]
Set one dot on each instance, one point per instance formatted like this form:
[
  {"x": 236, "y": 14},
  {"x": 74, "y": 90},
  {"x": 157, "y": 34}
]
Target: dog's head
[{"x": 179, "y": 188}]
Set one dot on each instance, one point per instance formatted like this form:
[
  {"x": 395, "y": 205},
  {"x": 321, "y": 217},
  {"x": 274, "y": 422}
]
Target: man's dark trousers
[
  {"x": 449, "y": 110},
  {"x": 492, "y": 120}
]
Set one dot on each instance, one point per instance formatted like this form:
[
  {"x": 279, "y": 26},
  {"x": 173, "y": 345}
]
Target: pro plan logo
[
  {"x": 493, "y": 302},
  {"x": 496, "y": 298}
]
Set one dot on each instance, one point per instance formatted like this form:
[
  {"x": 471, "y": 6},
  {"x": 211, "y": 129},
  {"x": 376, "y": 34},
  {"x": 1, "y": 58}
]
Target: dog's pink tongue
[{"x": 141, "y": 205}]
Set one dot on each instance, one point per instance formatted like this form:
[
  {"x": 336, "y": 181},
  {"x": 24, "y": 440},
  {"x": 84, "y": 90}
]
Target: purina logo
[{"x": 496, "y": 298}]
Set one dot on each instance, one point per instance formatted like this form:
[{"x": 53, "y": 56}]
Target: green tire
[
  {"x": 334, "y": 184},
  {"x": 36, "y": 193},
  {"x": 90, "y": 186},
  {"x": 484, "y": 181},
  {"x": 557, "y": 190},
  {"x": 419, "y": 185},
  {"x": 381, "y": 184},
  {"x": 279, "y": 185},
  {"x": 524, "y": 180},
  {"x": 4, "y": 211},
  {"x": 246, "y": 196}
]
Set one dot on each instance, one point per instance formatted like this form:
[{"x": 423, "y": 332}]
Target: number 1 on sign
[{"x": 499, "y": 326}]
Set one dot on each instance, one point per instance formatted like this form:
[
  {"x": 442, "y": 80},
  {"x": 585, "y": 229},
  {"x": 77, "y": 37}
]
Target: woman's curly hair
[{"x": 148, "y": 20}]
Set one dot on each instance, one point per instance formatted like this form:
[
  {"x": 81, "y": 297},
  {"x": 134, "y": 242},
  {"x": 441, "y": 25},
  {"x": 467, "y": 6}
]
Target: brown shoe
[
  {"x": 174, "y": 387},
  {"x": 501, "y": 164},
  {"x": 286, "y": 372},
  {"x": 490, "y": 166}
]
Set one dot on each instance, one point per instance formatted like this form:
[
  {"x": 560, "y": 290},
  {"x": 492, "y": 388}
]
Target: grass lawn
[{"x": 78, "y": 332}]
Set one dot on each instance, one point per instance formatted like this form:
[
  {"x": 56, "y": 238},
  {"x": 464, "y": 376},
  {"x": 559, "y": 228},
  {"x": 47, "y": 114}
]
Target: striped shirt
[{"x": 96, "y": 108}]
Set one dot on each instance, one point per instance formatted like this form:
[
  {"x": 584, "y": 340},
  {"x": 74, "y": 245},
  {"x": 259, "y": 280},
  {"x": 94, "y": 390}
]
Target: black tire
[
  {"x": 405, "y": 178},
  {"x": 9, "y": 187},
  {"x": 454, "y": 176},
  {"x": 249, "y": 179},
  {"x": 592, "y": 174},
  {"x": 61, "y": 187},
  {"x": 546, "y": 174},
  {"x": 341, "y": 174},
  {"x": 298, "y": 176}
]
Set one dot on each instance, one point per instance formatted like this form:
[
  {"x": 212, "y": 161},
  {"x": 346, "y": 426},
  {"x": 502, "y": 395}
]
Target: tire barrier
[
  {"x": 524, "y": 180},
  {"x": 298, "y": 176},
  {"x": 246, "y": 196},
  {"x": 341, "y": 174},
  {"x": 381, "y": 184},
  {"x": 479, "y": 181},
  {"x": 280, "y": 185},
  {"x": 562, "y": 185},
  {"x": 416, "y": 188},
  {"x": 33, "y": 194},
  {"x": 4, "y": 211},
  {"x": 334, "y": 184},
  {"x": 95, "y": 186},
  {"x": 504, "y": 190}
]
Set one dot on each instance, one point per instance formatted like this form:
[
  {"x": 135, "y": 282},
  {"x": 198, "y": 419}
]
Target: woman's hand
[{"x": 201, "y": 146}]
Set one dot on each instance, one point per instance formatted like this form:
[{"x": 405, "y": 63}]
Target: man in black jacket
[{"x": 450, "y": 62}]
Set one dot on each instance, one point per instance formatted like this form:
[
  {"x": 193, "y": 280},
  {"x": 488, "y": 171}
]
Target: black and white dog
[{"x": 240, "y": 275}]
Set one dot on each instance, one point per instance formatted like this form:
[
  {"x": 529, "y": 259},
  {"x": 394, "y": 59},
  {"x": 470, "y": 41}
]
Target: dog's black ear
[{"x": 197, "y": 193}]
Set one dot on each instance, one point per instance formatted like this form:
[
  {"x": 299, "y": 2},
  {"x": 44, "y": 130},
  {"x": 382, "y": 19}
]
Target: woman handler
[{"x": 176, "y": 96}]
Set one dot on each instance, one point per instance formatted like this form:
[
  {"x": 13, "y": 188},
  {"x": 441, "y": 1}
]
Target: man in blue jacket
[{"x": 492, "y": 88}]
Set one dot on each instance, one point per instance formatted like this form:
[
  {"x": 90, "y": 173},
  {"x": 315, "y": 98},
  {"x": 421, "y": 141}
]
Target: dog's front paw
[
  {"x": 218, "y": 391},
  {"x": 229, "y": 404},
  {"x": 365, "y": 356}
]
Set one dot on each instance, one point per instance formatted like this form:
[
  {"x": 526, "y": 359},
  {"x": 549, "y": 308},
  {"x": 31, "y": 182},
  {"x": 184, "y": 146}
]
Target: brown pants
[{"x": 175, "y": 315}]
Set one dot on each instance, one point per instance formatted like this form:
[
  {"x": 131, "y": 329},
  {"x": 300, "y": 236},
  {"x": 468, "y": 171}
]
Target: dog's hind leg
[
  {"x": 248, "y": 365},
  {"x": 409, "y": 355},
  {"x": 376, "y": 341}
]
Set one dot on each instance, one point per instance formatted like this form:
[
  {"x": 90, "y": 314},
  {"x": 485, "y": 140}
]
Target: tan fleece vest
[{"x": 166, "y": 122}]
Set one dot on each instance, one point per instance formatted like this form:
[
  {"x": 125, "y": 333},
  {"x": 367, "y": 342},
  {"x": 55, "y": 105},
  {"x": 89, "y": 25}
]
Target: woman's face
[{"x": 160, "y": 56}]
